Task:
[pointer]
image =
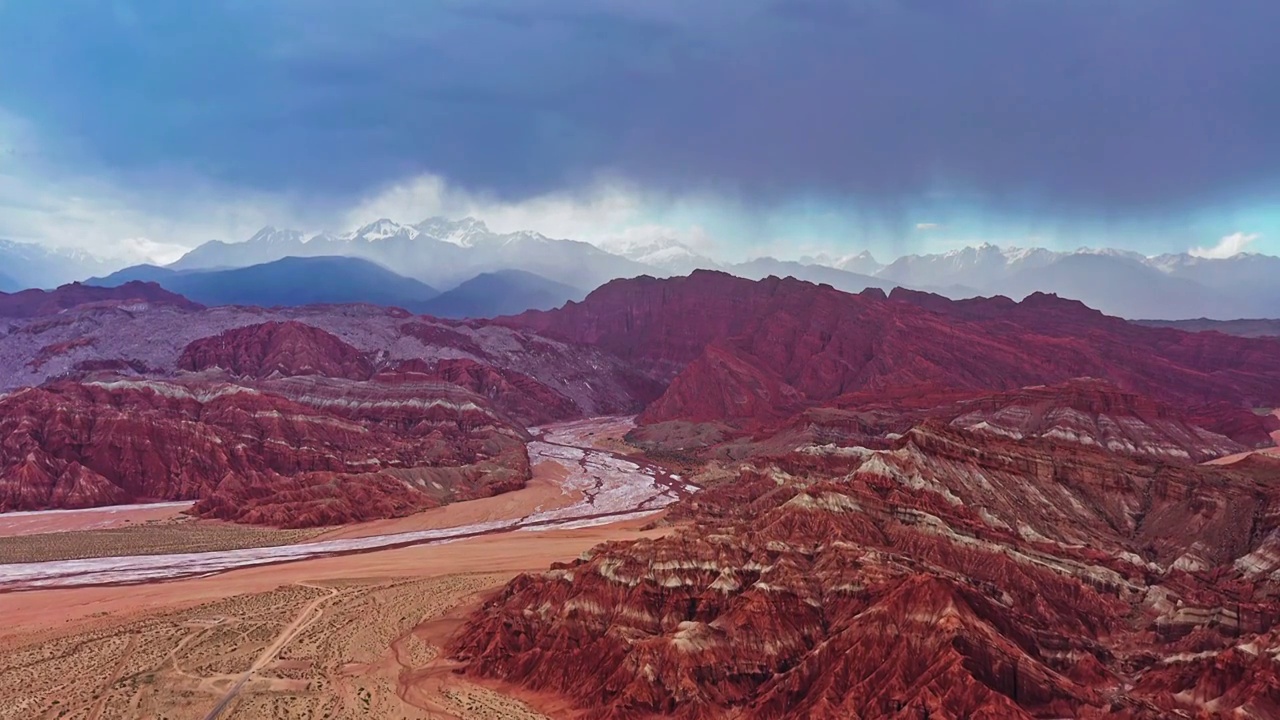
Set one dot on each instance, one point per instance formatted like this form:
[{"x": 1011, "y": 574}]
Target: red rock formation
[
  {"x": 720, "y": 385},
  {"x": 39, "y": 303},
  {"x": 958, "y": 574},
  {"x": 48, "y": 352},
  {"x": 277, "y": 348},
  {"x": 310, "y": 499},
  {"x": 1094, "y": 413},
  {"x": 666, "y": 322},
  {"x": 292, "y": 452},
  {"x": 1085, "y": 411},
  {"x": 1254, "y": 429},
  {"x": 520, "y": 396},
  {"x": 825, "y": 343}
]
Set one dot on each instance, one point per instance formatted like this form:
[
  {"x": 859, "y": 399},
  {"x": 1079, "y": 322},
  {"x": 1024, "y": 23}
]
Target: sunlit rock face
[{"x": 960, "y": 573}]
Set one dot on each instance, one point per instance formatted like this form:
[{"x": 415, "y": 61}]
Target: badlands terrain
[{"x": 699, "y": 497}]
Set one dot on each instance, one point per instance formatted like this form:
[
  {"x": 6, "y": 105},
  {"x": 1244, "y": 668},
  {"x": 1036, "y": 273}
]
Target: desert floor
[
  {"x": 344, "y": 636},
  {"x": 338, "y": 637}
]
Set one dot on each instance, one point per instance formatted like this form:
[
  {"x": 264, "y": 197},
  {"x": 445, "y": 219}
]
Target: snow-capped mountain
[
  {"x": 443, "y": 253},
  {"x": 1118, "y": 282},
  {"x": 862, "y": 263},
  {"x": 465, "y": 232},
  {"x": 976, "y": 268},
  {"x": 665, "y": 254},
  {"x": 28, "y": 265},
  {"x": 383, "y": 229},
  {"x": 437, "y": 251}
]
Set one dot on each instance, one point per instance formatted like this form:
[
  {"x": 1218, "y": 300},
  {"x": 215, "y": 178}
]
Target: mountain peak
[
  {"x": 271, "y": 235},
  {"x": 382, "y": 229},
  {"x": 459, "y": 232}
]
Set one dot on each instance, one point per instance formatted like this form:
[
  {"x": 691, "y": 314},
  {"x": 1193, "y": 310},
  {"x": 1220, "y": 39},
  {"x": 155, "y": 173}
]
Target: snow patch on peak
[
  {"x": 382, "y": 229},
  {"x": 658, "y": 250},
  {"x": 465, "y": 232},
  {"x": 270, "y": 235}
]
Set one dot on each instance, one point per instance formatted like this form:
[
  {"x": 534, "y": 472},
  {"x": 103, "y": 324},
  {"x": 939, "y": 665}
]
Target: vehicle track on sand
[
  {"x": 96, "y": 712},
  {"x": 308, "y": 615}
]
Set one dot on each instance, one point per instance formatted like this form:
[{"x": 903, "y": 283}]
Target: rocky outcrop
[
  {"x": 277, "y": 348},
  {"x": 290, "y": 452},
  {"x": 665, "y": 323},
  {"x": 826, "y": 344},
  {"x": 1095, "y": 413},
  {"x": 520, "y": 396},
  {"x": 427, "y": 412},
  {"x": 154, "y": 340},
  {"x": 40, "y": 303},
  {"x": 954, "y": 574},
  {"x": 720, "y": 385},
  {"x": 1084, "y": 411}
]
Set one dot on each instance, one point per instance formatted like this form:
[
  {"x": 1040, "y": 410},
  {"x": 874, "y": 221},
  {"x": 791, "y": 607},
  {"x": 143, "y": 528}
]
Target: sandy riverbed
[{"x": 331, "y": 634}]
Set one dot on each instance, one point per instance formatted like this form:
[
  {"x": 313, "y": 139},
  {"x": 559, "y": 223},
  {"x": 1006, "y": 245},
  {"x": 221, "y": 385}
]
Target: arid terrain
[
  {"x": 825, "y": 505},
  {"x": 346, "y": 636}
]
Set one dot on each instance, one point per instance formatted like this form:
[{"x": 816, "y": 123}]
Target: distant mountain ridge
[
  {"x": 505, "y": 292},
  {"x": 333, "y": 280},
  {"x": 287, "y": 282},
  {"x": 28, "y": 265},
  {"x": 439, "y": 252},
  {"x": 1240, "y": 328},
  {"x": 1118, "y": 282},
  {"x": 444, "y": 253}
]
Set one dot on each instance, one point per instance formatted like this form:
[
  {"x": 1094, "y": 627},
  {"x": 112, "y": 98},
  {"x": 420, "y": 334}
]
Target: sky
[{"x": 743, "y": 127}]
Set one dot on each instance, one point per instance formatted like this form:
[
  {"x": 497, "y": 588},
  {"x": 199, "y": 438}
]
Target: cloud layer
[
  {"x": 1094, "y": 103},
  {"x": 571, "y": 109},
  {"x": 1228, "y": 246}
]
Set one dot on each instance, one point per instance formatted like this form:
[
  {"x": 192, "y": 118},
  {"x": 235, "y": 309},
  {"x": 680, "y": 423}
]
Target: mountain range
[
  {"x": 334, "y": 280},
  {"x": 1117, "y": 282},
  {"x": 28, "y": 265},
  {"x": 441, "y": 253}
]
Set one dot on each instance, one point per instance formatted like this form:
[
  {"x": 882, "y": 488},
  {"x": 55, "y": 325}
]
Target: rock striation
[
  {"x": 520, "y": 396},
  {"x": 1096, "y": 413},
  {"x": 954, "y": 574},
  {"x": 277, "y": 349},
  {"x": 291, "y": 452}
]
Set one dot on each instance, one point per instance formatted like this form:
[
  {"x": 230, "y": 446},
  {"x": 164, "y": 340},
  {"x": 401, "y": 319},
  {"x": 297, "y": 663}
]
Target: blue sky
[{"x": 748, "y": 126}]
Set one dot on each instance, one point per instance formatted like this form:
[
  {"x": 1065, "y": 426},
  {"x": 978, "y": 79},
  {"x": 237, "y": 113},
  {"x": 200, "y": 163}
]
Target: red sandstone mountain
[
  {"x": 821, "y": 344},
  {"x": 433, "y": 411},
  {"x": 1084, "y": 411},
  {"x": 149, "y": 341},
  {"x": 38, "y": 303},
  {"x": 955, "y": 574},
  {"x": 517, "y": 394},
  {"x": 294, "y": 452},
  {"x": 277, "y": 348},
  {"x": 1091, "y": 412}
]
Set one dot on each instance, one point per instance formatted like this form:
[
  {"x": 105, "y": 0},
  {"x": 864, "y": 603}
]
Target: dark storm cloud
[{"x": 1101, "y": 106}]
